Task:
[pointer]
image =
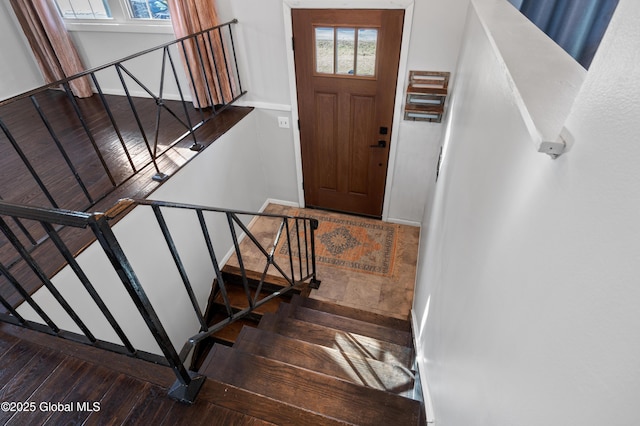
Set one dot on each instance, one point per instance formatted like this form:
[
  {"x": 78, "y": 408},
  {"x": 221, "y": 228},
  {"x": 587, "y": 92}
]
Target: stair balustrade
[
  {"x": 114, "y": 121},
  {"x": 61, "y": 151},
  {"x": 295, "y": 236}
]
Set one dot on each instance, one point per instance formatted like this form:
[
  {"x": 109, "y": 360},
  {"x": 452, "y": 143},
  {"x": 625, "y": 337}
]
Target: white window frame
[{"x": 120, "y": 21}]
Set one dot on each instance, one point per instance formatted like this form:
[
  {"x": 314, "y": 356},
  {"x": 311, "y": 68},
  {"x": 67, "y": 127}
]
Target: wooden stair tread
[
  {"x": 208, "y": 413},
  {"x": 356, "y": 369},
  {"x": 354, "y": 313},
  {"x": 260, "y": 406},
  {"x": 349, "y": 325},
  {"x": 337, "y": 339},
  {"x": 310, "y": 390}
]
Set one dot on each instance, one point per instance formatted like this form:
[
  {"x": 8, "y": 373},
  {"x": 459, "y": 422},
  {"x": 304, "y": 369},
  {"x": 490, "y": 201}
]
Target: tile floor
[{"x": 390, "y": 295}]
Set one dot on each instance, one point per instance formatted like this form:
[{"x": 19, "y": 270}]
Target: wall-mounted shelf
[{"x": 426, "y": 95}]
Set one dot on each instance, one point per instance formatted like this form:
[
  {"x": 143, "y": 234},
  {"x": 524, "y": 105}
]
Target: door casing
[
  {"x": 344, "y": 151},
  {"x": 407, "y": 5}
]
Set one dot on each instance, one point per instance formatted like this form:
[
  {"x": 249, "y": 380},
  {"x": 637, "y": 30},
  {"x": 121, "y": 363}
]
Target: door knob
[{"x": 381, "y": 144}]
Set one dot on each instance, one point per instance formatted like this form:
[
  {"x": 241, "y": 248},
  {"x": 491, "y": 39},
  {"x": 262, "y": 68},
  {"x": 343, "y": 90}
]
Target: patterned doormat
[{"x": 349, "y": 242}]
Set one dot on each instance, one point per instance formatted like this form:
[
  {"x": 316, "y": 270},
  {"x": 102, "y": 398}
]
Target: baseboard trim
[
  {"x": 282, "y": 202},
  {"x": 231, "y": 251},
  {"x": 262, "y": 208},
  {"x": 404, "y": 222},
  {"x": 265, "y": 105},
  {"x": 421, "y": 368}
]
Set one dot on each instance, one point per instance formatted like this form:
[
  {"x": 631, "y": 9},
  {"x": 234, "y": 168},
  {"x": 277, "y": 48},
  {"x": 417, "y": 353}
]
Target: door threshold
[{"x": 368, "y": 216}]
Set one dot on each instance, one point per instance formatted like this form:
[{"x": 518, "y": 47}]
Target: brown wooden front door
[{"x": 346, "y": 73}]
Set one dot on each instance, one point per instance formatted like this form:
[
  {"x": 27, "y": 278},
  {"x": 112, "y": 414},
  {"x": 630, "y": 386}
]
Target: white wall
[
  {"x": 277, "y": 154},
  {"x": 101, "y": 47},
  {"x": 227, "y": 174},
  {"x": 261, "y": 49},
  {"x": 527, "y": 295},
  {"x": 435, "y": 40},
  {"x": 17, "y": 65},
  {"x": 97, "y": 48}
]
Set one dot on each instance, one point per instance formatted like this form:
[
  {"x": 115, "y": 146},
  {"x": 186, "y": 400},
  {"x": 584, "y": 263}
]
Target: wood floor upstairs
[{"x": 48, "y": 378}]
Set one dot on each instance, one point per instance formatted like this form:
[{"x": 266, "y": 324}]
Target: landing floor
[{"x": 362, "y": 263}]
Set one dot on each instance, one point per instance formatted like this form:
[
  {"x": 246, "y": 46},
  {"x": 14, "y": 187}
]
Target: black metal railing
[
  {"x": 136, "y": 114},
  {"x": 289, "y": 253}
]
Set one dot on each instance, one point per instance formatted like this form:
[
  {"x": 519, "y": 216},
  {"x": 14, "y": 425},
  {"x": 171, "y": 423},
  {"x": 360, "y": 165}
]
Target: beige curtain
[
  {"x": 52, "y": 46},
  {"x": 189, "y": 17}
]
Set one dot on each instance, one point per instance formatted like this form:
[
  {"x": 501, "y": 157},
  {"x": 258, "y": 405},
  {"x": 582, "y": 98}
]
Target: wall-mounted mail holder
[{"x": 426, "y": 95}]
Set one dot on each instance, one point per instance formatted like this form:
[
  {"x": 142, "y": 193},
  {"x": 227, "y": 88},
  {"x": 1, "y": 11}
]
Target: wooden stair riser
[
  {"x": 232, "y": 275},
  {"x": 238, "y": 300},
  {"x": 350, "y": 325},
  {"x": 349, "y": 312}
]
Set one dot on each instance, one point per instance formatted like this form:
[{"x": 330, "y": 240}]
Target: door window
[{"x": 346, "y": 51}]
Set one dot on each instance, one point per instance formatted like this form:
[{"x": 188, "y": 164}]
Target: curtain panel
[
  {"x": 203, "y": 57},
  {"x": 52, "y": 46},
  {"x": 576, "y": 25}
]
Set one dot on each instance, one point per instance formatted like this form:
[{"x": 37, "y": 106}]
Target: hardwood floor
[
  {"x": 97, "y": 160},
  {"x": 51, "y": 377},
  {"x": 69, "y": 150}
]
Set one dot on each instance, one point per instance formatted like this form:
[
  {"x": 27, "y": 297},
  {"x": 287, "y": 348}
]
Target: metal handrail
[
  {"x": 306, "y": 267},
  {"x": 300, "y": 245},
  {"x": 110, "y": 64}
]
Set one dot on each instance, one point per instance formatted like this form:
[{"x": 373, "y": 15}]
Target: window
[
  {"x": 123, "y": 9},
  {"x": 576, "y": 25},
  {"x": 84, "y": 9},
  {"x": 149, "y": 9},
  {"x": 346, "y": 51}
]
